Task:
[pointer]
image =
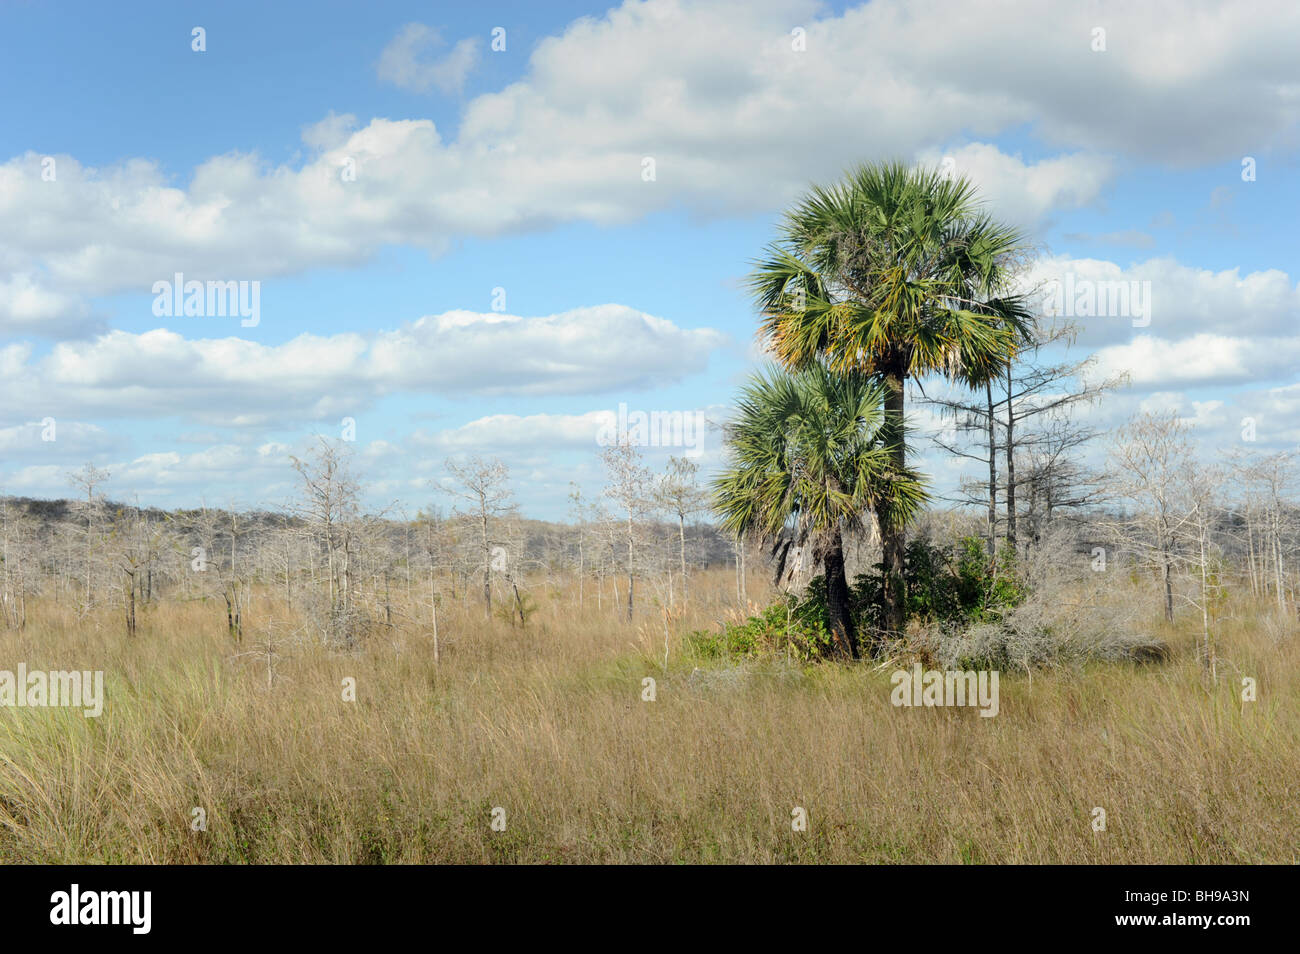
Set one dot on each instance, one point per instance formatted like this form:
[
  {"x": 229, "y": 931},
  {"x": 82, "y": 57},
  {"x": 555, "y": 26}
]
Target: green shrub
[
  {"x": 953, "y": 586},
  {"x": 793, "y": 626},
  {"x": 946, "y": 584}
]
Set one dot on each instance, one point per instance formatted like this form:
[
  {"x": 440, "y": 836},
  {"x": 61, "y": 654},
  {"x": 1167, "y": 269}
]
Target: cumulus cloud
[
  {"x": 407, "y": 61},
  {"x": 581, "y": 432},
  {"x": 734, "y": 117},
  {"x": 1181, "y": 300},
  {"x": 27, "y": 307},
  {"x": 221, "y": 474},
  {"x": 1203, "y": 359},
  {"x": 51, "y": 438},
  {"x": 236, "y": 382},
  {"x": 515, "y": 432},
  {"x": 1026, "y": 193}
]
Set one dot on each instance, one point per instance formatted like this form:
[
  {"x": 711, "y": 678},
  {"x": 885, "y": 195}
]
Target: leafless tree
[
  {"x": 1146, "y": 460},
  {"x": 1026, "y": 415},
  {"x": 630, "y": 488},
  {"x": 1199, "y": 487},
  {"x": 1268, "y": 482},
  {"x": 18, "y": 533},
  {"x": 484, "y": 486},
  {"x": 86, "y": 480},
  {"x": 330, "y": 505},
  {"x": 678, "y": 493}
]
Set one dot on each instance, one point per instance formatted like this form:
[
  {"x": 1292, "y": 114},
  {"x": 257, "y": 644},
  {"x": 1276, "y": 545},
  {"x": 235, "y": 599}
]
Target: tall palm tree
[
  {"x": 808, "y": 463},
  {"x": 895, "y": 272}
]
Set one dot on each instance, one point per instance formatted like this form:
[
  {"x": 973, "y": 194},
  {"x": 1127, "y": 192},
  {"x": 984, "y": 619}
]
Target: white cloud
[
  {"x": 1183, "y": 301},
  {"x": 406, "y": 61},
  {"x": 1203, "y": 359},
  {"x": 1025, "y": 193},
  {"x": 514, "y": 432},
  {"x": 240, "y": 383},
  {"x": 712, "y": 91},
  {"x": 530, "y": 433},
  {"x": 27, "y": 307},
  {"x": 52, "y": 438},
  {"x": 330, "y": 131}
]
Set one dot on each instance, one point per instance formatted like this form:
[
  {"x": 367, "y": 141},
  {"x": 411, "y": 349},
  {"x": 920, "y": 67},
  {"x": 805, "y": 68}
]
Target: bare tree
[
  {"x": 1149, "y": 455},
  {"x": 330, "y": 505},
  {"x": 1029, "y": 422},
  {"x": 86, "y": 480},
  {"x": 1200, "y": 486},
  {"x": 128, "y": 550},
  {"x": 19, "y": 533},
  {"x": 629, "y": 487},
  {"x": 1269, "y": 480},
  {"x": 484, "y": 486},
  {"x": 578, "y": 509},
  {"x": 678, "y": 493}
]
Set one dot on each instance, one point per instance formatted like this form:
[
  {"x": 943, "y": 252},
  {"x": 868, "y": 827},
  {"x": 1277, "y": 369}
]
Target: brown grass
[{"x": 548, "y": 723}]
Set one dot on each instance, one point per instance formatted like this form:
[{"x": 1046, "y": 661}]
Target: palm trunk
[
  {"x": 893, "y": 537},
  {"x": 843, "y": 632}
]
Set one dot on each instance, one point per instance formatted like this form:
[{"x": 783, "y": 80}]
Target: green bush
[
  {"x": 793, "y": 626},
  {"x": 954, "y": 586}
]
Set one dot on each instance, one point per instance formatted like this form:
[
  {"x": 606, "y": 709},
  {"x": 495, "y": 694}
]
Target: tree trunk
[
  {"x": 1277, "y": 557},
  {"x": 487, "y": 570},
  {"x": 843, "y": 632},
  {"x": 993, "y": 472},
  {"x": 744, "y": 583},
  {"x": 130, "y": 604},
  {"x": 893, "y": 537},
  {"x": 1011, "y": 464},
  {"x": 519, "y": 605},
  {"x": 681, "y": 543},
  {"x": 1169, "y": 591},
  {"x": 1250, "y": 549},
  {"x": 736, "y": 549},
  {"x": 582, "y": 568},
  {"x": 1210, "y": 661},
  {"x": 630, "y": 573}
]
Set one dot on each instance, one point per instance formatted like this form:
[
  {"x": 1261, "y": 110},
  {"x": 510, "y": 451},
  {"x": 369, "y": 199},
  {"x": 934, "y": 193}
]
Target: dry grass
[{"x": 548, "y": 723}]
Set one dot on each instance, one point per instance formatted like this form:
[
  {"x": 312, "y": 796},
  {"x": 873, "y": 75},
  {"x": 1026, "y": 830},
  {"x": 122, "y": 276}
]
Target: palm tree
[
  {"x": 808, "y": 463},
  {"x": 897, "y": 273}
]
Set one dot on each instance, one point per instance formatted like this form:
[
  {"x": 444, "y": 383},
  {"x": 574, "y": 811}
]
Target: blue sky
[{"x": 523, "y": 170}]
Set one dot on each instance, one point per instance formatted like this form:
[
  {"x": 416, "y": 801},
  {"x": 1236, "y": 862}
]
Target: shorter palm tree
[{"x": 808, "y": 464}]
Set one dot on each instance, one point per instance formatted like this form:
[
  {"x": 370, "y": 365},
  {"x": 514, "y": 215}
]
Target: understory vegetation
[{"x": 967, "y": 612}]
